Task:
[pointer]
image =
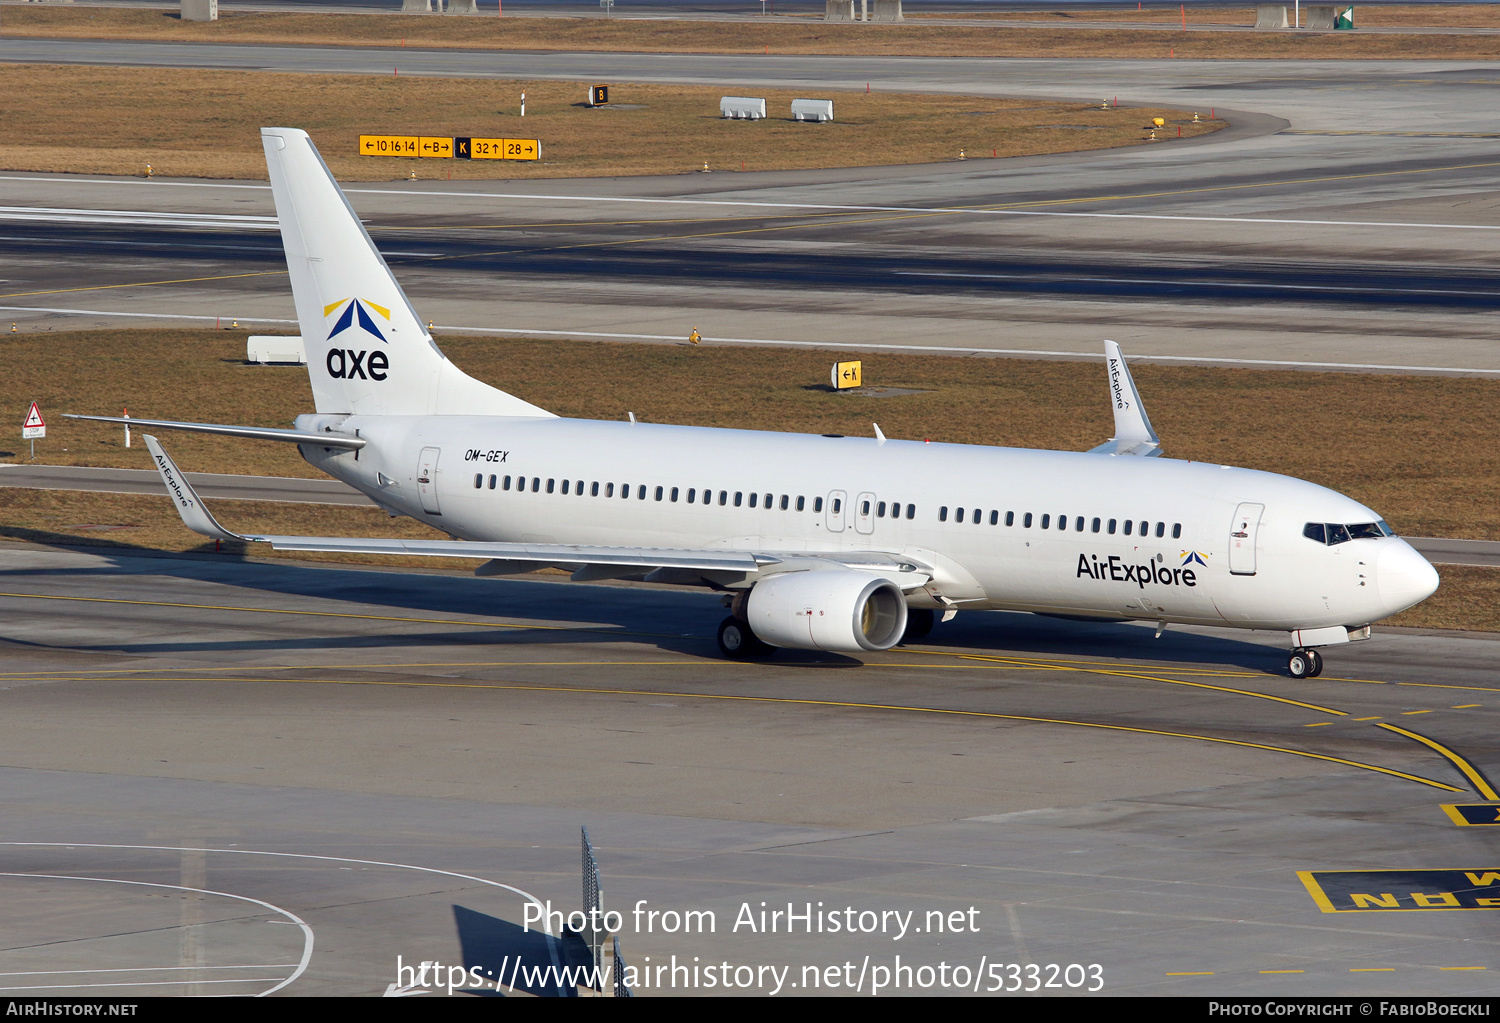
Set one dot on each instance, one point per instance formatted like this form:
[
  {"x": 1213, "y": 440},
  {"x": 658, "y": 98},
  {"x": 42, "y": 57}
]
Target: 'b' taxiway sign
[{"x": 33, "y": 427}]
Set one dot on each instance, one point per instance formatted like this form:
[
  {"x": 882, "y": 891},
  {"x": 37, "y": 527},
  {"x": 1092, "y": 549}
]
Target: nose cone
[{"x": 1403, "y": 577}]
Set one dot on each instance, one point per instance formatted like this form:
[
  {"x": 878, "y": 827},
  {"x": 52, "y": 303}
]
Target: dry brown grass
[
  {"x": 810, "y": 37},
  {"x": 206, "y": 124},
  {"x": 1418, "y": 449}
]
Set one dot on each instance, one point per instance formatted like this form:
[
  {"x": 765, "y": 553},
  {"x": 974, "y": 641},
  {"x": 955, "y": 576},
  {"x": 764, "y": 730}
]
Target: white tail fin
[{"x": 367, "y": 352}]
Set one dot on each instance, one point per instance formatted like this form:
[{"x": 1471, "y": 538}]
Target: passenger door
[{"x": 1242, "y": 535}]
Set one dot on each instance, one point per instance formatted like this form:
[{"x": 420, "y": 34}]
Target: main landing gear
[
  {"x": 738, "y": 643},
  {"x": 1304, "y": 663}
]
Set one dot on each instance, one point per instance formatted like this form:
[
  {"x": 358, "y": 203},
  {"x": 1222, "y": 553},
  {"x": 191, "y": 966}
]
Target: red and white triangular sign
[{"x": 34, "y": 416}]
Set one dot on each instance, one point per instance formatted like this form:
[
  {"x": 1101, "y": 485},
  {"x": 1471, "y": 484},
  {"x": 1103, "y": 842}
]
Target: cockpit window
[{"x": 1331, "y": 533}]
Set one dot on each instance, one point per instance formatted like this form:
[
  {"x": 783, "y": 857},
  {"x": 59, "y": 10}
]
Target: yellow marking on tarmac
[
  {"x": 1409, "y": 713},
  {"x": 1318, "y": 724},
  {"x": 1480, "y": 784},
  {"x": 1463, "y": 967},
  {"x": 1467, "y": 706},
  {"x": 1230, "y": 188},
  {"x": 147, "y": 284},
  {"x": 1101, "y": 670},
  {"x": 1368, "y": 719},
  {"x": 990, "y": 715}
]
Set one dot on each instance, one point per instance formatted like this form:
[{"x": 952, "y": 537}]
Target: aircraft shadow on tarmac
[{"x": 676, "y": 619}]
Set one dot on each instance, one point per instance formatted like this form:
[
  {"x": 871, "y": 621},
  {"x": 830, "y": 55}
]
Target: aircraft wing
[
  {"x": 1133, "y": 432},
  {"x": 327, "y": 440},
  {"x": 605, "y": 561}
]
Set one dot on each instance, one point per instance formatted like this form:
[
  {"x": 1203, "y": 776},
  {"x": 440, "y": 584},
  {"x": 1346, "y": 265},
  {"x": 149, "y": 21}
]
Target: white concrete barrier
[
  {"x": 1321, "y": 17},
  {"x": 463, "y": 7},
  {"x": 742, "y": 107},
  {"x": 838, "y": 10},
  {"x": 200, "y": 10},
  {"x": 419, "y": 6},
  {"x": 1271, "y": 16},
  {"x": 812, "y": 110},
  {"x": 265, "y": 348},
  {"x": 887, "y": 10}
]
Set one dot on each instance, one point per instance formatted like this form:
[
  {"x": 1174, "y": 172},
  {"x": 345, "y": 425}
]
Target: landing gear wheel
[
  {"x": 738, "y": 643},
  {"x": 1299, "y": 664},
  {"x": 1316, "y": 660},
  {"x": 919, "y": 622}
]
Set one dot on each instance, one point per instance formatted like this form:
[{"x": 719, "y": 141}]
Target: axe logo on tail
[{"x": 351, "y": 363}]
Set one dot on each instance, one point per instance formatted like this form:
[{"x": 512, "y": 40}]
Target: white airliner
[{"x": 817, "y": 542}]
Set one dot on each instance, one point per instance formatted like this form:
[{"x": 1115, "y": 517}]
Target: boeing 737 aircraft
[{"x": 817, "y": 542}]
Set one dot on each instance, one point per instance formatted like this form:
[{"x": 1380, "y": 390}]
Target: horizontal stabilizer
[
  {"x": 1133, "y": 432},
  {"x": 327, "y": 440}
]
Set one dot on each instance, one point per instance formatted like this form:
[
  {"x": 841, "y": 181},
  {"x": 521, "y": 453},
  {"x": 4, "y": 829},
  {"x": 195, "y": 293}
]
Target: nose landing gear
[{"x": 1302, "y": 663}]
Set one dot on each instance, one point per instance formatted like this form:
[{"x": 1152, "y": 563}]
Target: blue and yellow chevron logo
[
  {"x": 356, "y": 307},
  {"x": 1194, "y": 558}
]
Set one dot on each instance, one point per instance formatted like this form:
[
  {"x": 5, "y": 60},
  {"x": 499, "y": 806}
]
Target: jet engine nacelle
[{"x": 827, "y": 609}]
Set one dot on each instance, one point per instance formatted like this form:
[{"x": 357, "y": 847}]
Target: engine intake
[{"x": 828, "y": 609}]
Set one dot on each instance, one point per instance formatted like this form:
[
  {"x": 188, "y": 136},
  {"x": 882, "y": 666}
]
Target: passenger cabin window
[
  {"x": 801, "y": 503},
  {"x": 1111, "y": 527},
  {"x": 1010, "y": 518},
  {"x": 1161, "y": 529},
  {"x": 911, "y": 511},
  {"x": 551, "y": 486},
  {"x": 659, "y": 492},
  {"x": 785, "y": 502},
  {"x": 478, "y": 480},
  {"x": 817, "y": 504},
  {"x": 1027, "y": 520},
  {"x": 838, "y": 507},
  {"x": 640, "y": 492},
  {"x": 536, "y": 485},
  {"x": 943, "y": 513},
  {"x": 506, "y": 485},
  {"x": 1177, "y": 531},
  {"x": 994, "y": 518},
  {"x": 977, "y": 514},
  {"x": 738, "y": 494},
  {"x": 754, "y": 498},
  {"x": 1046, "y": 521},
  {"x": 1129, "y": 525},
  {"x": 1078, "y": 524},
  {"x": 1094, "y": 525},
  {"x": 492, "y": 482}
]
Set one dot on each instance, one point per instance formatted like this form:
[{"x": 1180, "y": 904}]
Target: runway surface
[
  {"x": 319, "y": 740},
  {"x": 1346, "y": 219},
  {"x": 223, "y": 775}
]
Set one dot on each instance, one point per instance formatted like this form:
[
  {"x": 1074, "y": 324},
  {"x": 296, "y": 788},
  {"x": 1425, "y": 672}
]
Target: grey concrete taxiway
[
  {"x": 232, "y": 776},
  {"x": 1346, "y": 218}
]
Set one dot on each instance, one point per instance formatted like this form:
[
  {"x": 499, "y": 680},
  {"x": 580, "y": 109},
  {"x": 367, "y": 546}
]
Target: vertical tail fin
[{"x": 367, "y": 352}]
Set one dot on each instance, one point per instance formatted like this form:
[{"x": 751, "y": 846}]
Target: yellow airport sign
[
  {"x": 497, "y": 149},
  {"x": 441, "y": 147},
  {"x": 390, "y": 145},
  {"x": 846, "y": 375}
]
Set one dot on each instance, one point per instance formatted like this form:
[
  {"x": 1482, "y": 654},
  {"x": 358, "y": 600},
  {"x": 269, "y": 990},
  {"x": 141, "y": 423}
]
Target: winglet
[
  {"x": 189, "y": 504},
  {"x": 1133, "y": 432}
]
